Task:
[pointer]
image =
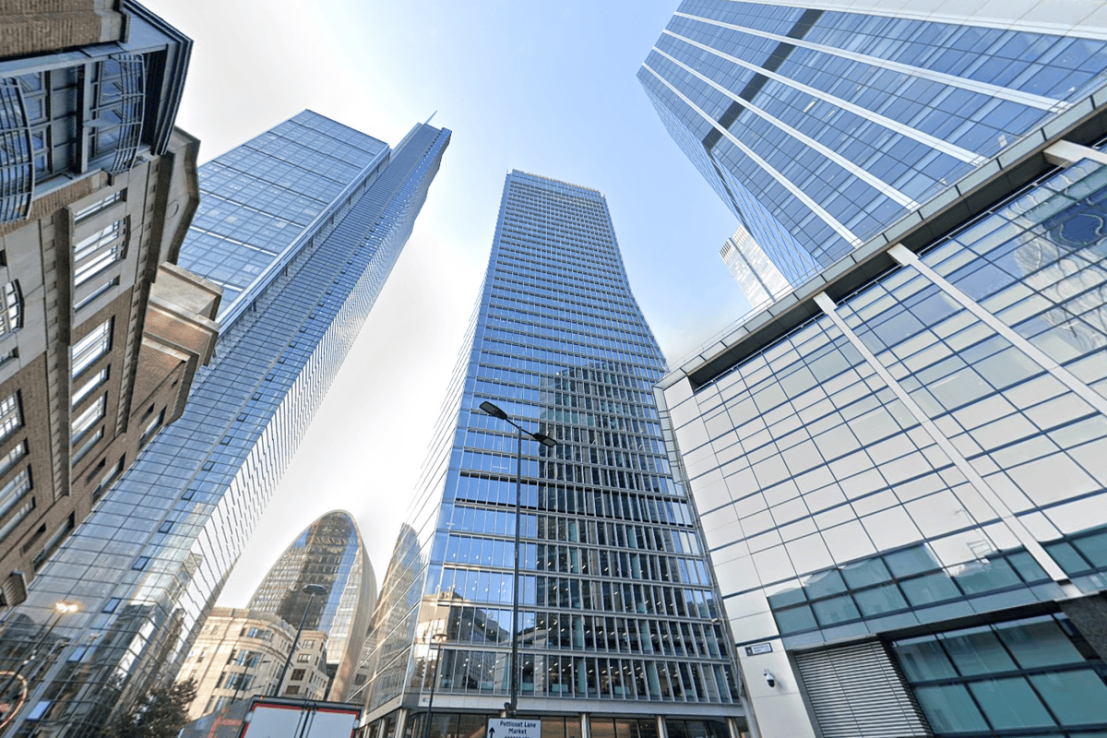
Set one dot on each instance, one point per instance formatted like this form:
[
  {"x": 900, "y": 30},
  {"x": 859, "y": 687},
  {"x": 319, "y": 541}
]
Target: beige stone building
[
  {"x": 100, "y": 333},
  {"x": 240, "y": 653}
]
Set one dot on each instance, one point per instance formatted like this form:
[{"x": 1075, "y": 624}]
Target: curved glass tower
[
  {"x": 618, "y": 614},
  {"x": 329, "y": 553}
]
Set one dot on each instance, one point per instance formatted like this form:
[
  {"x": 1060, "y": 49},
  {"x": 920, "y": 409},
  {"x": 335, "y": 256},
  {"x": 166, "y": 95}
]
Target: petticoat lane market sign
[{"x": 501, "y": 728}]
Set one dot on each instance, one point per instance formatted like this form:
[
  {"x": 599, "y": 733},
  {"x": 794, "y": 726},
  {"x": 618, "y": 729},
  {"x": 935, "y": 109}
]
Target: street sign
[
  {"x": 514, "y": 728},
  {"x": 759, "y": 648}
]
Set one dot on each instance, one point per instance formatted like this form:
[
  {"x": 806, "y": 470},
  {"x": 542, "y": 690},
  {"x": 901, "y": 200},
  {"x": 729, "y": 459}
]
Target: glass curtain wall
[{"x": 616, "y": 602}]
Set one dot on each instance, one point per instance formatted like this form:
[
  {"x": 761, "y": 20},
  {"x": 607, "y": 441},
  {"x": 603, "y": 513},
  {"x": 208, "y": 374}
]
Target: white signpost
[{"x": 513, "y": 728}]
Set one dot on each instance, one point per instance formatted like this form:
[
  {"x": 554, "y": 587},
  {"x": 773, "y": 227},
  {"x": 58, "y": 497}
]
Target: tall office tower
[
  {"x": 902, "y": 470},
  {"x": 617, "y": 609},
  {"x": 751, "y": 267},
  {"x": 150, "y": 561},
  {"x": 821, "y": 123},
  {"x": 329, "y": 554},
  {"x": 100, "y": 333}
]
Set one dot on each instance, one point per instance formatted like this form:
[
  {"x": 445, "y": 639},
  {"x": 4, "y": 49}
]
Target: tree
[{"x": 161, "y": 713}]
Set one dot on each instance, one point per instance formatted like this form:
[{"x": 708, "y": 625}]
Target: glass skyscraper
[
  {"x": 751, "y": 267},
  {"x": 331, "y": 554},
  {"x": 618, "y": 610},
  {"x": 900, "y": 469},
  {"x": 819, "y": 124},
  {"x": 303, "y": 224}
]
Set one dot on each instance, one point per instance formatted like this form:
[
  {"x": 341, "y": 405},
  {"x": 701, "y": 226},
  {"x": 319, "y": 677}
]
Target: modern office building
[
  {"x": 148, "y": 564},
  {"x": 330, "y": 554},
  {"x": 619, "y": 630},
  {"x": 901, "y": 468},
  {"x": 751, "y": 267},
  {"x": 821, "y": 123},
  {"x": 100, "y": 333},
  {"x": 240, "y": 653}
]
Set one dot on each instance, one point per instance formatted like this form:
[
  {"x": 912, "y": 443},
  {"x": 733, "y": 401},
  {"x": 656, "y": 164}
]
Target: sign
[
  {"x": 758, "y": 648},
  {"x": 513, "y": 728}
]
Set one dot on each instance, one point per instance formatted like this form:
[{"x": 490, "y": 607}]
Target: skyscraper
[
  {"x": 900, "y": 469},
  {"x": 329, "y": 554},
  {"x": 751, "y": 267},
  {"x": 151, "y": 559},
  {"x": 618, "y": 611},
  {"x": 819, "y": 124}
]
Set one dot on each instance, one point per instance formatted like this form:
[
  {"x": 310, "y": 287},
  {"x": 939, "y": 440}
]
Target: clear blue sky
[{"x": 548, "y": 88}]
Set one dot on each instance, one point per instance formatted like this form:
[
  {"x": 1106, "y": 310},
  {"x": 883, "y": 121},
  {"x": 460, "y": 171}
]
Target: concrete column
[{"x": 1089, "y": 615}]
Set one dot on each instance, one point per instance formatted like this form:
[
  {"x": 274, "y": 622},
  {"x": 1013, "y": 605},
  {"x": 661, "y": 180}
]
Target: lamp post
[
  {"x": 490, "y": 409},
  {"x": 311, "y": 591},
  {"x": 434, "y": 643}
]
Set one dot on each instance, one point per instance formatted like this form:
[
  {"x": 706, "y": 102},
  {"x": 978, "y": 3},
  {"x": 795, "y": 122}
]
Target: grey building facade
[{"x": 148, "y": 564}]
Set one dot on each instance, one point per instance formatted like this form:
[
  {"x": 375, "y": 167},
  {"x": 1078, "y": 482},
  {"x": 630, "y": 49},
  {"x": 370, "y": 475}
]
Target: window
[
  {"x": 11, "y": 317},
  {"x": 292, "y": 690},
  {"x": 14, "y": 491},
  {"x": 97, "y": 251},
  {"x": 97, "y": 207},
  {"x": 18, "y": 518},
  {"x": 90, "y": 348},
  {"x": 303, "y": 658},
  {"x": 91, "y": 296},
  {"x": 107, "y": 479},
  {"x": 54, "y": 541},
  {"x": 152, "y": 428},
  {"x": 87, "y": 446},
  {"x": 86, "y": 389},
  {"x": 11, "y": 458},
  {"x": 83, "y": 423},
  {"x": 298, "y": 674},
  {"x": 10, "y": 417}
]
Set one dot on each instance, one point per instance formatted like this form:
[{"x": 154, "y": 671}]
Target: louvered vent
[{"x": 856, "y": 691}]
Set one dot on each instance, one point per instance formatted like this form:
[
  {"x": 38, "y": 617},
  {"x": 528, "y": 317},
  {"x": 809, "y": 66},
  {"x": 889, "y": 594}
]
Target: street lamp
[
  {"x": 490, "y": 409},
  {"x": 435, "y": 643},
  {"x": 311, "y": 591}
]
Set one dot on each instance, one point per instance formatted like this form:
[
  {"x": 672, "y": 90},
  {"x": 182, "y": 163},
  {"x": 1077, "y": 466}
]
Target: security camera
[{"x": 770, "y": 679}]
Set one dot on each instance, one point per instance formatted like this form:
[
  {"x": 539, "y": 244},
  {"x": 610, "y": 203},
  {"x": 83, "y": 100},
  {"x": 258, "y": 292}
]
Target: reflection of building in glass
[
  {"x": 902, "y": 477},
  {"x": 163, "y": 540},
  {"x": 101, "y": 335},
  {"x": 751, "y": 267},
  {"x": 329, "y": 554},
  {"x": 819, "y": 124},
  {"x": 238, "y": 654},
  {"x": 618, "y": 611}
]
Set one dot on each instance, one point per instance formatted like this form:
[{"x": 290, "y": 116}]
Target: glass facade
[
  {"x": 617, "y": 609},
  {"x": 258, "y": 199},
  {"x": 929, "y": 449},
  {"x": 330, "y": 554},
  {"x": 820, "y": 127},
  {"x": 1036, "y": 674},
  {"x": 760, "y": 280},
  {"x": 149, "y": 562}
]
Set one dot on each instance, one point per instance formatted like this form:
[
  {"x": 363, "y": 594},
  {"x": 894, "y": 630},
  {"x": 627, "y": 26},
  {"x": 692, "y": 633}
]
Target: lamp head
[
  {"x": 544, "y": 439},
  {"x": 493, "y": 410},
  {"x": 315, "y": 590},
  {"x": 66, "y": 608}
]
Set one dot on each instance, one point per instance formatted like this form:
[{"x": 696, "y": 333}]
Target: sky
[{"x": 548, "y": 88}]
